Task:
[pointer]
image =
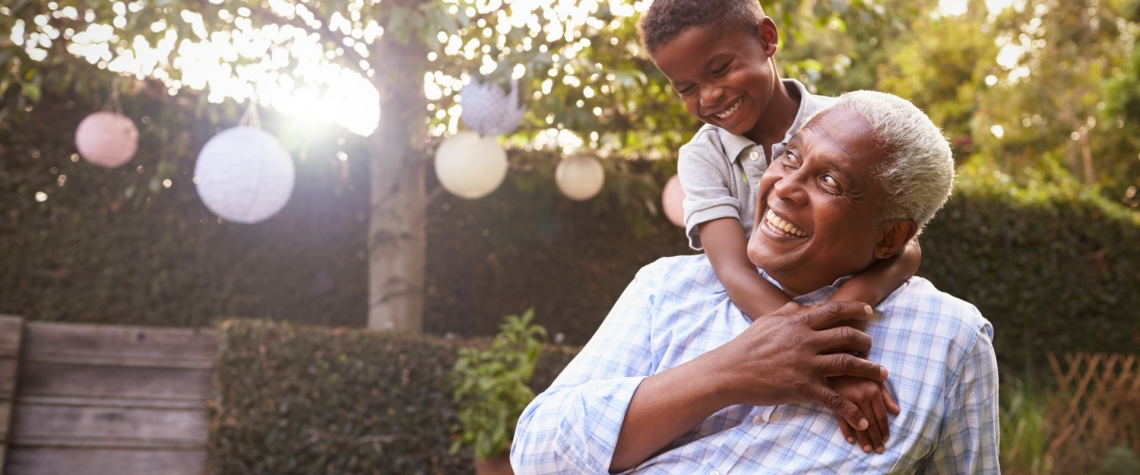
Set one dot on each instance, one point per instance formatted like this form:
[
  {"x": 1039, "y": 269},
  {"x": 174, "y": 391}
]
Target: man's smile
[{"x": 782, "y": 226}]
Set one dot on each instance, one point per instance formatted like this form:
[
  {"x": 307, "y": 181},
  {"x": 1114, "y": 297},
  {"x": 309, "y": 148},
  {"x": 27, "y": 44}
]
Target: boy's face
[{"x": 724, "y": 76}]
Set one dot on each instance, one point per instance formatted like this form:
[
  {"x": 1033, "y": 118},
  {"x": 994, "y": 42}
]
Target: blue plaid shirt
[{"x": 938, "y": 350}]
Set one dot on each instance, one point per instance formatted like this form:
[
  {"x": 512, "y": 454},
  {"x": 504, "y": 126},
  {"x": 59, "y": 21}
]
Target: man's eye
[
  {"x": 791, "y": 158},
  {"x": 830, "y": 182}
]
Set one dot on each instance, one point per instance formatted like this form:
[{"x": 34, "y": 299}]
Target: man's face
[
  {"x": 816, "y": 218},
  {"x": 724, "y": 77}
]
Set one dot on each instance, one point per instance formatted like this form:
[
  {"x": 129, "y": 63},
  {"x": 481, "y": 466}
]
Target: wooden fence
[
  {"x": 11, "y": 331},
  {"x": 101, "y": 399},
  {"x": 1095, "y": 407}
]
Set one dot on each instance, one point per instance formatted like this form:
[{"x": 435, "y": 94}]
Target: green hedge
[
  {"x": 1055, "y": 267},
  {"x": 303, "y": 400}
]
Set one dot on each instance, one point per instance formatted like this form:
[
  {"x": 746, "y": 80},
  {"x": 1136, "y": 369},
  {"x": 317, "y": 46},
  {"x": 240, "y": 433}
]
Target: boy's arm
[
  {"x": 726, "y": 247},
  {"x": 872, "y": 286},
  {"x": 878, "y": 281}
]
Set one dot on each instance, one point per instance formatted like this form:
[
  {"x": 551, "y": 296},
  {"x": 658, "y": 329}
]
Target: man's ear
[
  {"x": 768, "y": 36},
  {"x": 896, "y": 234}
]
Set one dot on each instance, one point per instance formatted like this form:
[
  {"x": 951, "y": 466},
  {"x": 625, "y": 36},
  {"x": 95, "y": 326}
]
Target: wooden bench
[{"x": 104, "y": 399}]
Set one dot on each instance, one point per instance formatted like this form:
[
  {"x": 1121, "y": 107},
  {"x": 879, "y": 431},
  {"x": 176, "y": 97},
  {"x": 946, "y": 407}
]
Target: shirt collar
[
  {"x": 812, "y": 298},
  {"x": 809, "y": 105}
]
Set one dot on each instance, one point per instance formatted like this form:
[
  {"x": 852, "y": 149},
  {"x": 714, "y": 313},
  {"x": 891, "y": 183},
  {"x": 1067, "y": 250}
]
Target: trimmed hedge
[
  {"x": 1055, "y": 267},
  {"x": 303, "y": 400}
]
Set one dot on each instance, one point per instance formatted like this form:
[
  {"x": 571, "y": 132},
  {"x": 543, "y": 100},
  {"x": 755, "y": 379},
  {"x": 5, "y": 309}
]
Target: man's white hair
[{"x": 917, "y": 168}]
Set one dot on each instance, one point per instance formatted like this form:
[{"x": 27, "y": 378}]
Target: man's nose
[{"x": 790, "y": 187}]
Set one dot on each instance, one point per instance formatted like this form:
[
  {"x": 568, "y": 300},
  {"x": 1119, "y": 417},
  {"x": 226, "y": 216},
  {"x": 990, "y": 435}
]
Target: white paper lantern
[
  {"x": 489, "y": 110},
  {"x": 672, "y": 198},
  {"x": 470, "y": 166},
  {"x": 107, "y": 139},
  {"x": 580, "y": 177},
  {"x": 243, "y": 175}
]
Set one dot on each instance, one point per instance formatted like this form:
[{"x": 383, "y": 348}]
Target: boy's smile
[{"x": 726, "y": 78}]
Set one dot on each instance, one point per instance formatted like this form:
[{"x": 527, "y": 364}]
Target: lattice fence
[{"x": 1095, "y": 407}]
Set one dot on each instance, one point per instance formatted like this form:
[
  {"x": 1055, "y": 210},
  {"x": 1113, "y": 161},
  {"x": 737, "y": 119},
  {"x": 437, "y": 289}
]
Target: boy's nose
[{"x": 710, "y": 96}]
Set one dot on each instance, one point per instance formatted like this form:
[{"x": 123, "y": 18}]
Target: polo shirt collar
[{"x": 809, "y": 105}]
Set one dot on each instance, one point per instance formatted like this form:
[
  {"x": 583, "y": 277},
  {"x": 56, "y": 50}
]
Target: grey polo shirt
[{"x": 720, "y": 172}]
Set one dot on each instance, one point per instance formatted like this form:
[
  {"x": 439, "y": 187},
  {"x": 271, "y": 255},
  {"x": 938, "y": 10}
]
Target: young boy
[{"x": 719, "y": 57}]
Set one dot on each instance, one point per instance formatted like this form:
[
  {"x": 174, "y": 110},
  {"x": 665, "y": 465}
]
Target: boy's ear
[
  {"x": 768, "y": 36},
  {"x": 896, "y": 234}
]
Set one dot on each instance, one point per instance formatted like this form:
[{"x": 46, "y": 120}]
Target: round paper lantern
[
  {"x": 671, "y": 199},
  {"x": 580, "y": 177},
  {"x": 489, "y": 110},
  {"x": 107, "y": 139},
  {"x": 470, "y": 166},
  {"x": 243, "y": 175}
]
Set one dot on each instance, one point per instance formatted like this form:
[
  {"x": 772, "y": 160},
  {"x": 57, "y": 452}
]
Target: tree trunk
[{"x": 396, "y": 235}]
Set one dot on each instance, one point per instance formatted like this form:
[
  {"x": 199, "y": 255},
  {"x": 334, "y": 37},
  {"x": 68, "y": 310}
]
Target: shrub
[
  {"x": 1055, "y": 267},
  {"x": 491, "y": 386},
  {"x": 291, "y": 399}
]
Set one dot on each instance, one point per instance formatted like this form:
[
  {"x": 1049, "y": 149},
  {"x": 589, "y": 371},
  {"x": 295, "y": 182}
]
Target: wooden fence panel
[
  {"x": 103, "y": 399},
  {"x": 11, "y": 334},
  {"x": 1096, "y": 407}
]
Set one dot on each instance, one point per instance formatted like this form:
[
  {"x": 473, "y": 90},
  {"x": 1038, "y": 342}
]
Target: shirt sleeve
[
  {"x": 573, "y": 426},
  {"x": 705, "y": 177},
  {"x": 968, "y": 441}
]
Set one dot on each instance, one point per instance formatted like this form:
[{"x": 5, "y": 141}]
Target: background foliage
[
  {"x": 1026, "y": 93},
  {"x": 293, "y": 399},
  {"x": 1051, "y": 265}
]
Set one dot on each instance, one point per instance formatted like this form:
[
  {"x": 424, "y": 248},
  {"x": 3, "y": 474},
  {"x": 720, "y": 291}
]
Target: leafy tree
[
  {"x": 1045, "y": 109},
  {"x": 579, "y": 64}
]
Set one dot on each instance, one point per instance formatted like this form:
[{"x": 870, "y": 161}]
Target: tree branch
[{"x": 268, "y": 16}]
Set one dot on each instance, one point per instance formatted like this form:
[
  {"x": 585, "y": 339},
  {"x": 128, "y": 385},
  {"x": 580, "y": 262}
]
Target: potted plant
[{"x": 491, "y": 391}]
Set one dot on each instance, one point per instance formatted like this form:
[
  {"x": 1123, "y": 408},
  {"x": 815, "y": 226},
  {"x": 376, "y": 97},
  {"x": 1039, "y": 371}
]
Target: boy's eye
[{"x": 721, "y": 70}]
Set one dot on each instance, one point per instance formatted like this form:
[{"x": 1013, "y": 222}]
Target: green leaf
[{"x": 31, "y": 91}]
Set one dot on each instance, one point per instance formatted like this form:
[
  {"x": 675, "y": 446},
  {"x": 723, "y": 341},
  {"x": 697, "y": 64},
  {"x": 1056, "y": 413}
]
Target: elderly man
[{"x": 678, "y": 381}]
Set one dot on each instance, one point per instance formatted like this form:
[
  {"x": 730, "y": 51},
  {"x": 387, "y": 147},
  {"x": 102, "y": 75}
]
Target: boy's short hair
[{"x": 666, "y": 19}]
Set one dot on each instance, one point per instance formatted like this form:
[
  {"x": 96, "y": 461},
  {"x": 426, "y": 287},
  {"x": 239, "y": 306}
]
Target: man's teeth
[
  {"x": 728, "y": 113},
  {"x": 778, "y": 223}
]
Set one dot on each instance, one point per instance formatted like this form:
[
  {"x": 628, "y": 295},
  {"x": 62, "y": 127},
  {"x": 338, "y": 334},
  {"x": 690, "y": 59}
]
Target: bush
[
  {"x": 293, "y": 399},
  {"x": 1056, "y": 268}
]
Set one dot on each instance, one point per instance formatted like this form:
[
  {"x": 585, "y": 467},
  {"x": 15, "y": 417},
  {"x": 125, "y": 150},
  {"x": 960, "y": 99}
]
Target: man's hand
[
  {"x": 873, "y": 401},
  {"x": 787, "y": 356}
]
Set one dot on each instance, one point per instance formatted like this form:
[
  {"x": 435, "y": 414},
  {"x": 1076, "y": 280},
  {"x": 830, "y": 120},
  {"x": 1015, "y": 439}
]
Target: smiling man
[{"x": 678, "y": 381}]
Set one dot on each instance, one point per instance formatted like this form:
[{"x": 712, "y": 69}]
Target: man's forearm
[{"x": 664, "y": 407}]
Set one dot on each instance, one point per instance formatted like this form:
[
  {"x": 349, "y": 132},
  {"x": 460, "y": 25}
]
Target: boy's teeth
[
  {"x": 728, "y": 113},
  {"x": 779, "y": 223}
]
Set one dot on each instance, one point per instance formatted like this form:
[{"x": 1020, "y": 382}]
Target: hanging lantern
[
  {"x": 470, "y": 166},
  {"x": 671, "y": 199},
  {"x": 107, "y": 139},
  {"x": 243, "y": 175},
  {"x": 489, "y": 110},
  {"x": 580, "y": 177}
]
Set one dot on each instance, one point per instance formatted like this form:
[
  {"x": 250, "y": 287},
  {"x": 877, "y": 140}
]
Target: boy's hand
[{"x": 874, "y": 400}]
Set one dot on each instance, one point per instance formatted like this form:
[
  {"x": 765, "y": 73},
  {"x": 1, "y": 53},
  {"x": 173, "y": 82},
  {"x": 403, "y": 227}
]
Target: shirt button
[
  {"x": 714, "y": 472},
  {"x": 758, "y": 420},
  {"x": 754, "y": 155}
]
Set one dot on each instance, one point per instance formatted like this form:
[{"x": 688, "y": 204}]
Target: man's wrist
[{"x": 721, "y": 383}]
